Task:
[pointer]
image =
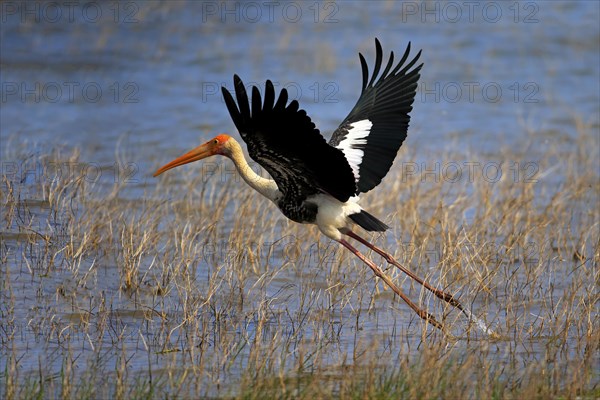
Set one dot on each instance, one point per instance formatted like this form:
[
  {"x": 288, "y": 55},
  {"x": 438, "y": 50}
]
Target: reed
[{"x": 209, "y": 292}]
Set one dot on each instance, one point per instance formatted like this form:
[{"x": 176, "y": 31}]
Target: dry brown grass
[{"x": 209, "y": 291}]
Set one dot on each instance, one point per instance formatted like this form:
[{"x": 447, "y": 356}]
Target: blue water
[
  {"x": 140, "y": 83},
  {"x": 152, "y": 71}
]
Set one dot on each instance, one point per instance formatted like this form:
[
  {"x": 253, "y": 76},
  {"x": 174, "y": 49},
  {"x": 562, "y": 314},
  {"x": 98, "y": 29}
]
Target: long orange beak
[{"x": 200, "y": 152}]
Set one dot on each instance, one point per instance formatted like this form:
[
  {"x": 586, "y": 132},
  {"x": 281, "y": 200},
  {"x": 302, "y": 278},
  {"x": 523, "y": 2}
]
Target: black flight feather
[
  {"x": 284, "y": 141},
  {"x": 386, "y": 103}
]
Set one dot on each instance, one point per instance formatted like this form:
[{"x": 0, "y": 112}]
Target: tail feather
[{"x": 368, "y": 222}]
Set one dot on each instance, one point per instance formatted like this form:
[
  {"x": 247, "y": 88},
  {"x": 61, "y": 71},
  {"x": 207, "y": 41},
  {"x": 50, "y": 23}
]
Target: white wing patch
[{"x": 357, "y": 135}]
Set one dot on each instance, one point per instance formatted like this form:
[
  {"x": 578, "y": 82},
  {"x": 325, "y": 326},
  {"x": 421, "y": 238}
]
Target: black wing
[
  {"x": 284, "y": 141},
  {"x": 372, "y": 133}
]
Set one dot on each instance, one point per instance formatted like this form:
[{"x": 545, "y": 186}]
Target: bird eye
[{"x": 216, "y": 141}]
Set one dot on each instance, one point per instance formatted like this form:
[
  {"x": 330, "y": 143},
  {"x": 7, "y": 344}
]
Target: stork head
[{"x": 220, "y": 144}]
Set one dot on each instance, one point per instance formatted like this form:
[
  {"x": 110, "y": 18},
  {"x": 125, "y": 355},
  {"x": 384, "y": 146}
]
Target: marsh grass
[{"x": 196, "y": 287}]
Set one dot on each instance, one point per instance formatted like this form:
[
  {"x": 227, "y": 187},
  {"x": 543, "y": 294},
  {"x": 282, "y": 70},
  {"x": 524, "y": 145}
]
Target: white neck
[{"x": 264, "y": 186}]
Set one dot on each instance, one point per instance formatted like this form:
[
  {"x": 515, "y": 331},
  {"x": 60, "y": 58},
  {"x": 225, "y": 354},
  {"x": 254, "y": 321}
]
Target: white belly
[{"x": 333, "y": 214}]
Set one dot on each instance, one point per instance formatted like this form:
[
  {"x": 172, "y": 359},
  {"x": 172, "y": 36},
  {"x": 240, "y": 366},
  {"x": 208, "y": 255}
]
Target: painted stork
[{"x": 318, "y": 182}]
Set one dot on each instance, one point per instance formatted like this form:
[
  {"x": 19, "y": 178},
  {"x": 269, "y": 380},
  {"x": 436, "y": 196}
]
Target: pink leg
[
  {"x": 421, "y": 313},
  {"x": 388, "y": 257},
  {"x": 439, "y": 293}
]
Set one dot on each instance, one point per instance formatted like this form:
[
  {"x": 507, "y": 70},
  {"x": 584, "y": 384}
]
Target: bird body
[
  {"x": 334, "y": 217},
  {"x": 315, "y": 181},
  {"x": 331, "y": 215}
]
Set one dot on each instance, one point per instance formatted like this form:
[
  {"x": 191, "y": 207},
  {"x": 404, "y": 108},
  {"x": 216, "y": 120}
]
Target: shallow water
[{"x": 140, "y": 84}]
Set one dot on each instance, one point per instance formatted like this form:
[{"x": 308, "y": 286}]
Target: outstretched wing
[
  {"x": 372, "y": 133},
  {"x": 284, "y": 141}
]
